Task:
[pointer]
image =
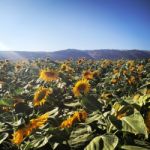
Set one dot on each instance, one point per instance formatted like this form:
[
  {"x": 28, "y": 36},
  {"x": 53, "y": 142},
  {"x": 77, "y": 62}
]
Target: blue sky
[{"x": 42, "y": 25}]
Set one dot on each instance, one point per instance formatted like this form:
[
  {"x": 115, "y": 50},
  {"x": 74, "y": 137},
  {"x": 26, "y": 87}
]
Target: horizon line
[{"x": 73, "y": 49}]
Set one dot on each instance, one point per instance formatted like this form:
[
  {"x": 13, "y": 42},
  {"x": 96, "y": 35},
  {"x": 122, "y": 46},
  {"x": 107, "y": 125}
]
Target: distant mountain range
[{"x": 75, "y": 54}]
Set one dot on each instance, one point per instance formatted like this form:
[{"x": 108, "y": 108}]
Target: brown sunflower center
[
  {"x": 82, "y": 87},
  {"x": 87, "y": 73},
  {"x": 41, "y": 95},
  {"x": 49, "y": 74},
  {"x": 64, "y": 67}
]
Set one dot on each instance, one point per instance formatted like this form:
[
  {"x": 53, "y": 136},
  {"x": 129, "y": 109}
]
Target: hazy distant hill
[{"x": 73, "y": 53}]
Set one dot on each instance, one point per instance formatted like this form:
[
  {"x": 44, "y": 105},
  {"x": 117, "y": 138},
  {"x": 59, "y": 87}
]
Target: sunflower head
[
  {"x": 131, "y": 80},
  {"x": 18, "y": 66},
  {"x": 115, "y": 71},
  {"x": 18, "y": 136},
  {"x": 81, "y": 87},
  {"x": 113, "y": 81},
  {"x": 80, "y": 60},
  {"x": 96, "y": 73},
  {"x": 39, "y": 121},
  {"x": 41, "y": 95},
  {"x": 76, "y": 117},
  {"x": 87, "y": 75},
  {"x": 64, "y": 67},
  {"x": 140, "y": 68},
  {"x": 48, "y": 75}
]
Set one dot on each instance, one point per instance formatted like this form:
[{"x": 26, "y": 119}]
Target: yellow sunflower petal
[
  {"x": 41, "y": 95},
  {"x": 48, "y": 75},
  {"x": 81, "y": 87}
]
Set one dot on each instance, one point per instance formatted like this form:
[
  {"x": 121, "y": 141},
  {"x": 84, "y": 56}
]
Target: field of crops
[{"x": 83, "y": 104}]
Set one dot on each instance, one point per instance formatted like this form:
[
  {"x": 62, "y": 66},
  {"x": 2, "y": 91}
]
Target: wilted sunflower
[
  {"x": 33, "y": 124},
  {"x": 87, "y": 75},
  {"x": 77, "y": 116},
  {"x": 39, "y": 121},
  {"x": 81, "y": 87},
  {"x": 18, "y": 136},
  {"x": 41, "y": 95},
  {"x": 48, "y": 75}
]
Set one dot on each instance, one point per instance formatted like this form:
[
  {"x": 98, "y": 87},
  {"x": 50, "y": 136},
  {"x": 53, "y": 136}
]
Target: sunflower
[
  {"x": 121, "y": 115},
  {"x": 81, "y": 87},
  {"x": 41, "y": 95},
  {"x": 131, "y": 80},
  {"x": 106, "y": 96},
  {"x": 115, "y": 71},
  {"x": 48, "y": 75},
  {"x": 87, "y": 75},
  {"x": 39, "y": 121},
  {"x": 140, "y": 69},
  {"x": 77, "y": 116},
  {"x": 113, "y": 80},
  {"x": 64, "y": 67},
  {"x": 96, "y": 73},
  {"x": 20, "y": 134}
]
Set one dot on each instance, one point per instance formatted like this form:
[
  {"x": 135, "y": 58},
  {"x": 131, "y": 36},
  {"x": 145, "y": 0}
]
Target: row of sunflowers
[{"x": 75, "y": 104}]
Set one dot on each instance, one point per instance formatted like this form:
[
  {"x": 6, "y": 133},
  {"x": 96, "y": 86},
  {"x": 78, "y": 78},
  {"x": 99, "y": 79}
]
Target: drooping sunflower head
[
  {"x": 39, "y": 121},
  {"x": 18, "y": 136},
  {"x": 87, "y": 75},
  {"x": 76, "y": 117},
  {"x": 81, "y": 87},
  {"x": 41, "y": 95},
  {"x": 48, "y": 75}
]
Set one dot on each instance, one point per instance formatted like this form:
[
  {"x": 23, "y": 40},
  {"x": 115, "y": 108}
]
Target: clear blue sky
[{"x": 81, "y": 24}]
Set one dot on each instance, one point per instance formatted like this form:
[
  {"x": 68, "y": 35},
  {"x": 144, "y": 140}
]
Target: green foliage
[{"x": 114, "y": 114}]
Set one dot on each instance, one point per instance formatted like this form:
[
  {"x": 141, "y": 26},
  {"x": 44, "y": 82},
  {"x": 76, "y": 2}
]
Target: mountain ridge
[{"x": 76, "y": 53}]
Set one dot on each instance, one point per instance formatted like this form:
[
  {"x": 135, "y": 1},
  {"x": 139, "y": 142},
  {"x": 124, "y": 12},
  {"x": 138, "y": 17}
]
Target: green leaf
[
  {"x": 104, "y": 142},
  {"x": 53, "y": 113},
  {"x": 73, "y": 104},
  {"x": 18, "y": 91},
  {"x": 143, "y": 100},
  {"x": 38, "y": 142},
  {"x": 95, "y": 116},
  {"x": 6, "y": 102},
  {"x": 3, "y": 136},
  {"x": 80, "y": 137},
  {"x": 134, "y": 124},
  {"x": 130, "y": 147},
  {"x": 91, "y": 103}
]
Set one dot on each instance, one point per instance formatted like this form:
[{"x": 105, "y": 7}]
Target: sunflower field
[{"x": 75, "y": 104}]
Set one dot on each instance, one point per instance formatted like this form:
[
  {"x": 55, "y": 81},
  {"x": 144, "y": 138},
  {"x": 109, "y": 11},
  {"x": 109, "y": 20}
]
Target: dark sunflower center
[
  {"x": 41, "y": 95},
  {"x": 82, "y": 87},
  {"x": 50, "y": 74},
  {"x": 95, "y": 74},
  {"x": 86, "y": 73},
  {"x": 64, "y": 67}
]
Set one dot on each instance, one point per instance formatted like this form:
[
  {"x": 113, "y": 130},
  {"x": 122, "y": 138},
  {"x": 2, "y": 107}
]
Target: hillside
[{"x": 75, "y": 54}]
